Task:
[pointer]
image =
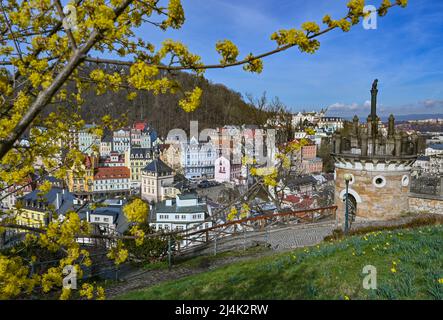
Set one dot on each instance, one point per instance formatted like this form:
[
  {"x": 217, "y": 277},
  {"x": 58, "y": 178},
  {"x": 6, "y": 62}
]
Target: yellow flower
[
  {"x": 393, "y": 270},
  {"x": 394, "y": 263},
  {"x": 347, "y": 298},
  {"x": 440, "y": 280}
]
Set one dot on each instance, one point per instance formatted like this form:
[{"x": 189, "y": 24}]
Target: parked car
[{"x": 204, "y": 184}]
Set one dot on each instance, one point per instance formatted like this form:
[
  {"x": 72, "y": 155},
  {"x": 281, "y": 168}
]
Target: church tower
[{"x": 378, "y": 161}]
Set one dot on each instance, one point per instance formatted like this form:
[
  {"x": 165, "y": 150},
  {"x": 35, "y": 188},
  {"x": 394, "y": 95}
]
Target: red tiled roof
[
  {"x": 292, "y": 198},
  {"x": 140, "y": 125},
  {"x": 112, "y": 173}
]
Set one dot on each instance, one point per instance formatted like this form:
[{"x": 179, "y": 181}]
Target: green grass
[
  {"x": 204, "y": 261},
  {"x": 332, "y": 270}
]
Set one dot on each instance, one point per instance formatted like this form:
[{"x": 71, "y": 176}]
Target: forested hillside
[{"x": 220, "y": 105}]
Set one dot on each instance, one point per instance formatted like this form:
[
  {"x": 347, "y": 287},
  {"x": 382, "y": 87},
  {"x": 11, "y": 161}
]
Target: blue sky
[{"x": 405, "y": 53}]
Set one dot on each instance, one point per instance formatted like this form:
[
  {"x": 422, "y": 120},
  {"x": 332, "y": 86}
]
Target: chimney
[{"x": 57, "y": 202}]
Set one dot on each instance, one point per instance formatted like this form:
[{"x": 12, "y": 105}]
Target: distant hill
[
  {"x": 409, "y": 117},
  {"x": 220, "y": 106},
  {"x": 406, "y": 117}
]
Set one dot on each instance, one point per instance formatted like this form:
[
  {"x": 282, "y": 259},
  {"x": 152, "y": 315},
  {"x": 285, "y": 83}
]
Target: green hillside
[{"x": 409, "y": 265}]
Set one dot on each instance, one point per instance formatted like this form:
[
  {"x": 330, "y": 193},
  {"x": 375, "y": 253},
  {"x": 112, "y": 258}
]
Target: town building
[
  {"x": 136, "y": 159},
  {"x": 423, "y": 164},
  {"x": 171, "y": 155},
  {"x": 80, "y": 179},
  {"x": 121, "y": 140},
  {"x": 142, "y": 136},
  {"x": 432, "y": 165},
  {"x": 88, "y": 142},
  {"x": 225, "y": 171},
  {"x": 10, "y": 194},
  {"x": 108, "y": 217},
  {"x": 378, "y": 164},
  {"x": 434, "y": 149},
  {"x": 106, "y": 146},
  {"x": 309, "y": 161},
  {"x": 304, "y": 119},
  {"x": 330, "y": 124},
  {"x": 112, "y": 181},
  {"x": 36, "y": 209},
  {"x": 198, "y": 159},
  {"x": 114, "y": 159},
  {"x": 184, "y": 212},
  {"x": 157, "y": 181}
]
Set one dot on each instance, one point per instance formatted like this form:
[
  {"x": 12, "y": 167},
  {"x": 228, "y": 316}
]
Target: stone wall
[
  {"x": 387, "y": 201},
  {"x": 425, "y": 203}
]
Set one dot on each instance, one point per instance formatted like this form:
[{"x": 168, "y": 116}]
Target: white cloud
[{"x": 338, "y": 106}]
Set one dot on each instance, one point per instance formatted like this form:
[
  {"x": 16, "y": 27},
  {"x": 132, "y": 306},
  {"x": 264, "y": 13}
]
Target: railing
[{"x": 189, "y": 240}]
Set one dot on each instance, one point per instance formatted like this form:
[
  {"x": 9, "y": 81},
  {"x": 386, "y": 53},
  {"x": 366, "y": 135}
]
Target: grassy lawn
[
  {"x": 409, "y": 265},
  {"x": 204, "y": 261}
]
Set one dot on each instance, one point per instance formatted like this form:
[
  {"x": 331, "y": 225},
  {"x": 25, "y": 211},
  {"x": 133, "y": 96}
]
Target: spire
[
  {"x": 156, "y": 152},
  {"x": 374, "y": 92},
  {"x": 373, "y": 115}
]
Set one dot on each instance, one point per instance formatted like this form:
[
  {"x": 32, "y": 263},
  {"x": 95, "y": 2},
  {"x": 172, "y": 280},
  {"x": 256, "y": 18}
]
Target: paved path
[
  {"x": 296, "y": 237},
  {"x": 278, "y": 239},
  {"x": 283, "y": 238}
]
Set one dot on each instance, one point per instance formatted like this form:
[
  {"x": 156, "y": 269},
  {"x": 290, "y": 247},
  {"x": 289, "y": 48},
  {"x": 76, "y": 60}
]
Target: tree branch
[{"x": 45, "y": 96}]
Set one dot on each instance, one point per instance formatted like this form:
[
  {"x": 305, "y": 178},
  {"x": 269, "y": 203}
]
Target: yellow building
[
  {"x": 36, "y": 209},
  {"x": 171, "y": 155},
  {"x": 136, "y": 159},
  {"x": 81, "y": 180}
]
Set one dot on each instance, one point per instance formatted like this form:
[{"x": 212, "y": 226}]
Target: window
[
  {"x": 379, "y": 181},
  {"x": 106, "y": 219},
  {"x": 97, "y": 219},
  {"x": 183, "y": 217},
  {"x": 405, "y": 181}
]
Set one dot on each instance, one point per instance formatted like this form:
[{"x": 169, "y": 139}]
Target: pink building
[
  {"x": 312, "y": 165},
  {"x": 309, "y": 151},
  {"x": 224, "y": 171}
]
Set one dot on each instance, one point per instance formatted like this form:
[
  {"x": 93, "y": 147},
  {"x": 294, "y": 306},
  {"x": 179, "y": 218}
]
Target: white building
[
  {"x": 225, "y": 171},
  {"x": 109, "y": 217},
  {"x": 112, "y": 181},
  {"x": 330, "y": 124},
  {"x": 434, "y": 149},
  {"x": 157, "y": 182},
  {"x": 305, "y": 118},
  {"x": 121, "y": 140},
  {"x": 106, "y": 146},
  {"x": 198, "y": 159},
  {"x": 87, "y": 140},
  {"x": 114, "y": 159},
  {"x": 430, "y": 164},
  {"x": 182, "y": 213},
  {"x": 142, "y": 136}
]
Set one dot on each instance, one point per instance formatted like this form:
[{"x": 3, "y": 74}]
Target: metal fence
[{"x": 428, "y": 185}]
